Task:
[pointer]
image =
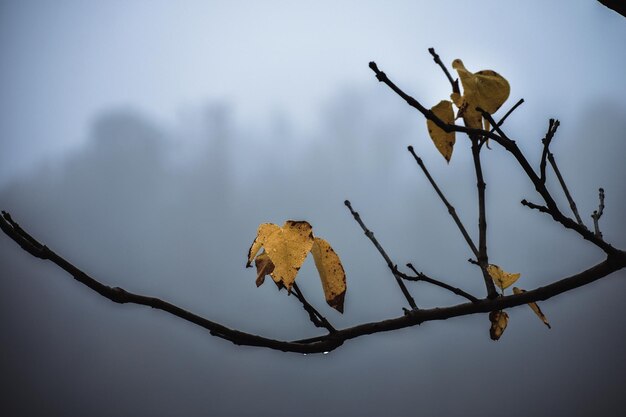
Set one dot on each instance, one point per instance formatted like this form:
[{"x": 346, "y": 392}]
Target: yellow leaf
[
  {"x": 470, "y": 115},
  {"x": 485, "y": 89},
  {"x": 331, "y": 272},
  {"x": 534, "y": 307},
  {"x": 286, "y": 247},
  {"x": 499, "y": 320},
  {"x": 264, "y": 266},
  {"x": 501, "y": 278},
  {"x": 457, "y": 99},
  {"x": 443, "y": 140},
  {"x": 262, "y": 234}
]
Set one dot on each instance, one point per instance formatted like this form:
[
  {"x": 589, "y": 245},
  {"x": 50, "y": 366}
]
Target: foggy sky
[{"x": 145, "y": 144}]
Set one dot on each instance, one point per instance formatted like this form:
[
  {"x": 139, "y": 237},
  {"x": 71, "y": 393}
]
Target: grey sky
[
  {"x": 65, "y": 62},
  {"x": 146, "y": 141}
]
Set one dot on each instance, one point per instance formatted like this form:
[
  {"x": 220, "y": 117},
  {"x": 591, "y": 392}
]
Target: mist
[{"x": 166, "y": 203}]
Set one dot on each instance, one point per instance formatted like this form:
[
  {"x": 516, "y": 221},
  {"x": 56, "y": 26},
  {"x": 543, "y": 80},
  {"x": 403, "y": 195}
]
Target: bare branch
[
  {"x": 453, "y": 83},
  {"x": 501, "y": 122},
  {"x": 534, "y": 206},
  {"x": 552, "y": 127},
  {"x": 122, "y": 296},
  {"x": 508, "y": 144},
  {"x": 419, "y": 276},
  {"x": 449, "y": 206},
  {"x": 554, "y": 211},
  {"x": 482, "y": 258},
  {"x": 390, "y": 264},
  {"x": 598, "y": 213},
  {"x": 316, "y": 318},
  {"x": 616, "y": 5},
  {"x": 29, "y": 243},
  {"x": 570, "y": 200},
  {"x": 615, "y": 261},
  {"x": 507, "y": 114}
]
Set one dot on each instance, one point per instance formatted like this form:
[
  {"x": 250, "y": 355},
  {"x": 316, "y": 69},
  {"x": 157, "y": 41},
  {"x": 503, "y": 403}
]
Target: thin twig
[
  {"x": 454, "y": 83},
  {"x": 615, "y": 261},
  {"x": 482, "y": 258},
  {"x": 22, "y": 232},
  {"x": 507, "y": 143},
  {"x": 551, "y": 205},
  {"x": 507, "y": 114},
  {"x": 501, "y": 122},
  {"x": 449, "y": 206},
  {"x": 570, "y": 200},
  {"x": 419, "y": 276},
  {"x": 316, "y": 318},
  {"x": 534, "y": 206},
  {"x": 390, "y": 264},
  {"x": 553, "y": 125},
  {"x": 598, "y": 213},
  {"x": 428, "y": 114}
]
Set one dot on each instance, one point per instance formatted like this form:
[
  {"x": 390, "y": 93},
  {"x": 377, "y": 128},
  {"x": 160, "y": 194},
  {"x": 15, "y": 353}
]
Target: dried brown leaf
[{"x": 499, "y": 320}]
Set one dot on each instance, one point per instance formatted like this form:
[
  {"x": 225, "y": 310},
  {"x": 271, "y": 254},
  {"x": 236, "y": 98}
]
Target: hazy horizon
[{"x": 146, "y": 144}]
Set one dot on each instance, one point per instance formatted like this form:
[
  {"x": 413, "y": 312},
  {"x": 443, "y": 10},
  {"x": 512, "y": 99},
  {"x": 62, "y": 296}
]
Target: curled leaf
[
  {"x": 470, "y": 115},
  {"x": 457, "y": 99},
  {"x": 499, "y": 320},
  {"x": 485, "y": 89},
  {"x": 444, "y": 141},
  {"x": 534, "y": 307},
  {"x": 286, "y": 248},
  {"x": 501, "y": 278},
  {"x": 331, "y": 272},
  {"x": 263, "y": 232},
  {"x": 264, "y": 266}
]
